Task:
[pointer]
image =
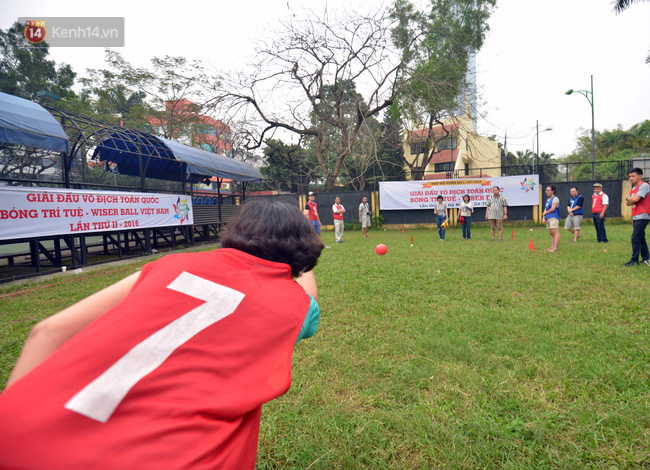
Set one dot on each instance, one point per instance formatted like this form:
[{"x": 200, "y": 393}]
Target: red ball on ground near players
[{"x": 381, "y": 249}]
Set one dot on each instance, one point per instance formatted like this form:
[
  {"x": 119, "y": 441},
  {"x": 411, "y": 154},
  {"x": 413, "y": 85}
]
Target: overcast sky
[{"x": 534, "y": 53}]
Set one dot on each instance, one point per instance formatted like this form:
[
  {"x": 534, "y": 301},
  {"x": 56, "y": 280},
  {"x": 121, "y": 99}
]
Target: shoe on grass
[{"x": 631, "y": 263}]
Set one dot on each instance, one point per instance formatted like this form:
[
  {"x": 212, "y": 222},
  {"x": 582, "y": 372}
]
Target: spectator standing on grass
[
  {"x": 466, "y": 211},
  {"x": 599, "y": 204},
  {"x": 639, "y": 199},
  {"x": 364, "y": 216},
  {"x": 311, "y": 212},
  {"x": 496, "y": 212},
  {"x": 551, "y": 217},
  {"x": 575, "y": 211},
  {"x": 441, "y": 216},
  {"x": 338, "y": 210}
]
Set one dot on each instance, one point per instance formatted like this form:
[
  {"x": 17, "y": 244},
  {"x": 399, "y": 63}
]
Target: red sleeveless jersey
[
  {"x": 335, "y": 215},
  {"x": 642, "y": 206},
  {"x": 174, "y": 377},
  {"x": 313, "y": 210},
  {"x": 597, "y": 203}
]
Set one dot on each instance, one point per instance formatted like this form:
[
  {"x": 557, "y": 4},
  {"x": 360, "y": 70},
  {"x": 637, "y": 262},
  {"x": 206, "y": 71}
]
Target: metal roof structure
[{"x": 23, "y": 122}]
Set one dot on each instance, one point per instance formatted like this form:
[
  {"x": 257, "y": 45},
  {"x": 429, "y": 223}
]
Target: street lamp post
[
  {"x": 537, "y": 154},
  {"x": 590, "y": 97}
]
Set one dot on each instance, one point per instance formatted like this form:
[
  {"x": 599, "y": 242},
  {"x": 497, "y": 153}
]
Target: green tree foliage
[
  {"x": 286, "y": 167},
  {"x": 390, "y": 161},
  {"x": 25, "y": 69},
  {"x": 338, "y": 104},
  {"x": 436, "y": 44},
  {"x": 358, "y": 166},
  {"x": 166, "y": 98},
  {"x": 612, "y": 147},
  {"x": 528, "y": 162}
]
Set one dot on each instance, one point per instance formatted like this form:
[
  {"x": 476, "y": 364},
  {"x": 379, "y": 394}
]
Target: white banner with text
[
  {"x": 402, "y": 195},
  {"x": 38, "y": 212}
]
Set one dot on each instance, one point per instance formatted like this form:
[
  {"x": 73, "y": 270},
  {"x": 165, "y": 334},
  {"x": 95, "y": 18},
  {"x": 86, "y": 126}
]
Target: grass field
[{"x": 456, "y": 354}]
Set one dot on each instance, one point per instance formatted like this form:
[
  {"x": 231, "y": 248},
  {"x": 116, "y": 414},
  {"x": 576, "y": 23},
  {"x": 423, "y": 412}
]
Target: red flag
[
  {"x": 531, "y": 246},
  {"x": 411, "y": 239},
  {"x": 402, "y": 228},
  {"x": 513, "y": 233}
]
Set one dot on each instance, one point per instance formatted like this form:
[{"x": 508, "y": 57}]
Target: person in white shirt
[
  {"x": 364, "y": 216},
  {"x": 338, "y": 210},
  {"x": 466, "y": 211}
]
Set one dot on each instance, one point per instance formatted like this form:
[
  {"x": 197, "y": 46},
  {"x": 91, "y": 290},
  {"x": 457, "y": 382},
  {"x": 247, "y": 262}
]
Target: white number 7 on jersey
[{"x": 99, "y": 398}]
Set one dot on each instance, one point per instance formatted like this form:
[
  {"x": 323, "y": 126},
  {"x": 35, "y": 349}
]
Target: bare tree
[
  {"x": 171, "y": 96},
  {"x": 24, "y": 162},
  {"x": 306, "y": 59},
  {"x": 446, "y": 32}
]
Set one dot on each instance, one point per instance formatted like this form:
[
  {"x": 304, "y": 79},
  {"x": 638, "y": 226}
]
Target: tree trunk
[
  {"x": 331, "y": 179},
  {"x": 417, "y": 174}
]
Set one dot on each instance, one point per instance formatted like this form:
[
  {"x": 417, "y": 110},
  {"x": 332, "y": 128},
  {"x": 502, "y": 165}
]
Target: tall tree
[
  {"x": 436, "y": 45},
  {"x": 357, "y": 167},
  {"x": 285, "y": 168},
  {"x": 614, "y": 148},
  {"x": 304, "y": 77},
  {"x": 390, "y": 164},
  {"x": 25, "y": 69},
  {"x": 170, "y": 95}
]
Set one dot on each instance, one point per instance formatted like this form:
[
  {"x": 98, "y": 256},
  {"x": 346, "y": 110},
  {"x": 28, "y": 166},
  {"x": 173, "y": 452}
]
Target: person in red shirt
[
  {"x": 311, "y": 212},
  {"x": 169, "y": 368},
  {"x": 599, "y": 205},
  {"x": 337, "y": 212},
  {"x": 639, "y": 199}
]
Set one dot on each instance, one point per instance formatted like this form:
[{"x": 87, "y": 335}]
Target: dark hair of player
[{"x": 274, "y": 231}]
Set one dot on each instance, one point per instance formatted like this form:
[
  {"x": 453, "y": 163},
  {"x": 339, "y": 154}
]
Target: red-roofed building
[
  {"x": 182, "y": 122},
  {"x": 459, "y": 150}
]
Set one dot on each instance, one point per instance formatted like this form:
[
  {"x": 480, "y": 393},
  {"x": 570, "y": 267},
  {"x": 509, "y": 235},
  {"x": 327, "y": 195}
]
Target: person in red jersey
[
  {"x": 169, "y": 368},
  {"x": 599, "y": 205},
  {"x": 639, "y": 199},
  {"x": 311, "y": 212}
]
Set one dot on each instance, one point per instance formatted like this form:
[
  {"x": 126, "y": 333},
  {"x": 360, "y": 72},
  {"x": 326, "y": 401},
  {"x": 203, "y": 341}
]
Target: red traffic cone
[
  {"x": 531, "y": 246},
  {"x": 513, "y": 233}
]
